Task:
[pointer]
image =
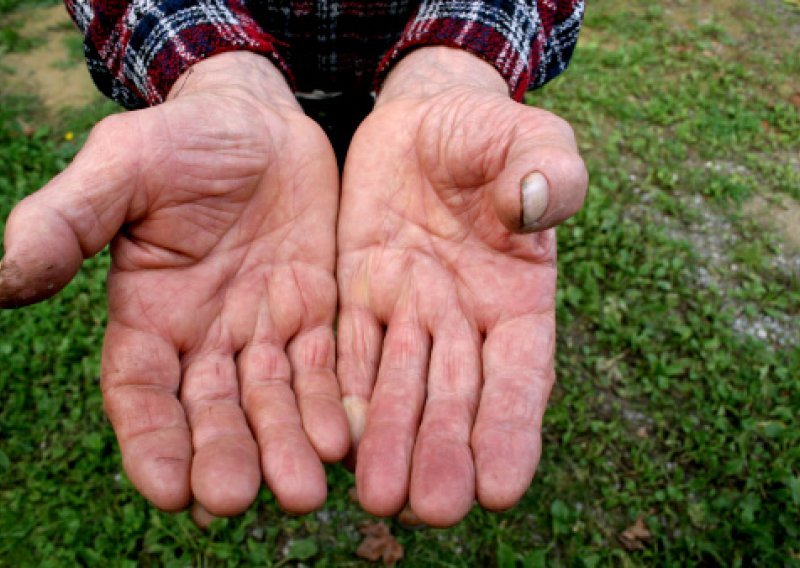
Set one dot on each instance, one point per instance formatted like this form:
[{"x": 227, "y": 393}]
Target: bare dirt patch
[
  {"x": 780, "y": 213},
  {"x": 714, "y": 236},
  {"x": 44, "y": 69}
]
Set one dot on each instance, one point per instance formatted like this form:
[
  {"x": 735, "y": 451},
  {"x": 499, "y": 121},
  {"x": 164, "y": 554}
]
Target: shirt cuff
[
  {"x": 500, "y": 38},
  {"x": 527, "y": 44},
  {"x": 138, "y": 66}
]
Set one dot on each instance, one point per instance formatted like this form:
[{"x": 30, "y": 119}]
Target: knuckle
[
  {"x": 315, "y": 350},
  {"x": 512, "y": 406},
  {"x": 109, "y": 128},
  {"x": 264, "y": 363},
  {"x": 356, "y": 338},
  {"x": 404, "y": 349},
  {"x": 456, "y": 368},
  {"x": 134, "y": 411}
]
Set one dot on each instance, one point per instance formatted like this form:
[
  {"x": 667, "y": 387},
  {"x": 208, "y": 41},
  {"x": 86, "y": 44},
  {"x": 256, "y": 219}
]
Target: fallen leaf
[
  {"x": 795, "y": 100},
  {"x": 635, "y": 536},
  {"x": 642, "y": 432},
  {"x": 352, "y": 493},
  {"x": 379, "y": 544}
]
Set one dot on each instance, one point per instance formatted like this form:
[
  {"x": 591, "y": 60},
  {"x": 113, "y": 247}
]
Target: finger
[
  {"x": 226, "y": 474},
  {"x": 384, "y": 454},
  {"x": 518, "y": 375},
  {"x": 544, "y": 180},
  {"x": 358, "y": 343},
  {"x": 289, "y": 463},
  {"x": 443, "y": 475},
  {"x": 311, "y": 354},
  {"x": 50, "y": 232},
  {"x": 140, "y": 378},
  {"x": 200, "y": 516}
]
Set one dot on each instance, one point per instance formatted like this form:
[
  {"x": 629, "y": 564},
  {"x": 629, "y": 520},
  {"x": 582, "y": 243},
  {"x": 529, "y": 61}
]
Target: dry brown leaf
[
  {"x": 352, "y": 493},
  {"x": 379, "y": 544},
  {"x": 642, "y": 432},
  {"x": 795, "y": 100},
  {"x": 635, "y": 536}
]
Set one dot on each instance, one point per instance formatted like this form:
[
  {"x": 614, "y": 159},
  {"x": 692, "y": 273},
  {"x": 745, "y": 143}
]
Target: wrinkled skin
[
  {"x": 220, "y": 206},
  {"x": 218, "y": 360},
  {"x": 447, "y": 318}
]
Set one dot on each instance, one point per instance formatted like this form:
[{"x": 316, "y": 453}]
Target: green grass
[{"x": 666, "y": 407}]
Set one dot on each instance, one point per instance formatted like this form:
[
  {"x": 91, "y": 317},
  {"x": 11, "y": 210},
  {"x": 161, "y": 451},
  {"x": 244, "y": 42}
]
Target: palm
[
  {"x": 225, "y": 268},
  {"x": 220, "y": 207},
  {"x": 423, "y": 253}
]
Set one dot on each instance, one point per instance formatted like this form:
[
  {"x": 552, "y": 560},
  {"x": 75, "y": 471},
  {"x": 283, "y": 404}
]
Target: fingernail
[
  {"x": 356, "y": 409},
  {"x": 409, "y": 519},
  {"x": 201, "y": 517},
  {"x": 535, "y": 197}
]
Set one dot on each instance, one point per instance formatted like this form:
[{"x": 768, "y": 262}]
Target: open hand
[
  {"x": 447, "y": 314},
  {"x": 218, "y": 360}
]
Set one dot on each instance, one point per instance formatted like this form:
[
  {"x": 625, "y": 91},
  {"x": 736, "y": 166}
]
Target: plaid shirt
[{"x": 137, "y": 49}]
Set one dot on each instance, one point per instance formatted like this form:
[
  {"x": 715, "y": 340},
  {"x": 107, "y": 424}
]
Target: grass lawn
[{"x": 679, "y": 328}]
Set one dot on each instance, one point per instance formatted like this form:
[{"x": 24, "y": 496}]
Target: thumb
[
  {"x": 544, "y": 180},
  {"x": 74, "y": 216}
]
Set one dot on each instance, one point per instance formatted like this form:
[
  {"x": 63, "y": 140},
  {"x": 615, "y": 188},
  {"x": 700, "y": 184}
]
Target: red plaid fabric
[{"x": 136, "y": 49}]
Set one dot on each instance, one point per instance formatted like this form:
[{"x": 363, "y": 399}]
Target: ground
[
  {"x": 52, "y": 66},
  {"x": 671, "y": 436}
]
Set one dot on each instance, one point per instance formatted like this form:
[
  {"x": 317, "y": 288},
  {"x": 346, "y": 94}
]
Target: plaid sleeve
[
  {"x": 137, "y": 49},
  {"x": 528, "y": 42}
]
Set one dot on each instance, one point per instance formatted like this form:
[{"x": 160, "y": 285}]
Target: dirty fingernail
[
  {"x": 535, "y": 197},
  {"x": 356, "y": 409},
  {"x": 409, "y": 519}
]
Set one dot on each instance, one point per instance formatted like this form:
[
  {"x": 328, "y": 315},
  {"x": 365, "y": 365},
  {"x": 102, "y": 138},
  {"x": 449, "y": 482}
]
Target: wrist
[
  {"x": 428, "y": 71},
  {"x": 237, "y": 73}
]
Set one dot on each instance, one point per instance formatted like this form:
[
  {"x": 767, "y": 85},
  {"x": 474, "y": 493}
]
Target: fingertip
[
  {"x": 442, "y": 509},
  {"x": 161, "y": 471},
  {"x": 439, "y": 518},
  {"x": 293, "y": 471},
  {"x": 442, "y": 481},
  {"x": 226, "y": 476},
  {"x": 201, "y": 517},
  {"x": 505, "y": 465},
  {"x": 37, "y": 268},
  {"x": 567, "y": 183},
  {"x": 543, "y": 188},
  {"x": 381, "y": 500},
  {"x": 302, "y": 496},
  {"x": 380, "y": 503},
  {"x": 328, "y": 431},
  {"x": 499, "y": 500},
  {"x": 381, "y": 479}
]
